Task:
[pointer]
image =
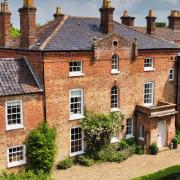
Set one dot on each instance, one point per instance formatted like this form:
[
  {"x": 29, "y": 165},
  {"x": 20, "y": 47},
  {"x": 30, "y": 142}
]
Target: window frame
[
  {"x": 115, "y": 109},
  {"x": 151, "y": 68},
  {"x": 141, "y": 132},
  {"x": 171, "y": 79},
  {"x": 83, "y": 143},
  {"x": 132, "y": 129},
  {"x": 14, "y": 126},
  {"x": 115, "y": 139},
  {"x": 153, "y": 86},
  {"x": 115, "y": 71},
  {"x": 77, "y": 116},
  {"x": 76, "y": 73},
  {"x": 16, "y": 163}
]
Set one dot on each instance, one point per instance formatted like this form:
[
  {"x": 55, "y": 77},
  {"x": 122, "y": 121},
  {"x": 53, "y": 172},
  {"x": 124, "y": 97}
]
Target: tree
[{"x": 160, "y": 24}]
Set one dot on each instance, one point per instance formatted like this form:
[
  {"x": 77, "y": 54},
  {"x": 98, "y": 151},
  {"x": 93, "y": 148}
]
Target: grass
[{"x": 171, "y": 173}]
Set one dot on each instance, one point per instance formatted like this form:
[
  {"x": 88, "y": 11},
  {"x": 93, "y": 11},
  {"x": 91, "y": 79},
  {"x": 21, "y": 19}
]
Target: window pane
[
  {"x": 129, "y": 126},
  {"x": 75, "y": 66},
  {"x": 148, "y": 93},
  {"x": 14, "y": 113},
  {"x": 115, "y": 62},
  {"x": 114, "y": 97},
  {"x": 16, "y": 154},
  {"x": 76, "y": 140}
]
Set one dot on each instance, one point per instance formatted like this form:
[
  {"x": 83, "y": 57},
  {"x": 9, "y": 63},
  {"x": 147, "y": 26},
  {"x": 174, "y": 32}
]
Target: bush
[
  {"x": 41, "y": 148},
  {"x": 130, "y": 141},
  {"x": 137, "y": 149},
  {"x": 84, "y": 161},
  {"x": 154, "y": 149},
  {"x": 110, "y": 155},
  {"x": 175, "y": 143},
  {"x": 29, "y": 175},
  {"x": 122, "y": 145},
  {"x": 65, "y": 164},
  {"x": 178, "y": 136},
  {"x": 98, "y": 130}
]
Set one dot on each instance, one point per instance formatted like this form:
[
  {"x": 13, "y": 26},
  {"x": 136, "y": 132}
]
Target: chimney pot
[
  {"x": 58, "y": 13},
  {"x": 127, "y": 20},
  {"x": 151, "y": 22},
  {"x": 107, "y": 22}
]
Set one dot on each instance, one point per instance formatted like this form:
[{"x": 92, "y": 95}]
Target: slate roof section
[
  {"x": 16, "y": 78},
  {"x": 164, "y": 33},
  {"x": 77, "y": 33}
]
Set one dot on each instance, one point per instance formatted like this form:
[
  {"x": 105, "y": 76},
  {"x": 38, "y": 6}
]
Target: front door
[{"x": 161, "y": 134}]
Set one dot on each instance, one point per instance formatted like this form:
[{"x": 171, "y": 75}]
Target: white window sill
[
  {"x": 114, "y": 72},
  {"x": 141, "y": 138},
  {"x": 148, "y": 69},
  {"x": 129, "y": 136},
  {"x": 79, "y": 74},
  {"x": 10, "y": 128},
  {"x": 77, "y": 117},
  {"x": 115, "y": 109},
  {"x": 171, "y": 80},
  {"x": 148, "y": 105},
  {"x": 76, "y": 153},
  {"x": 114, "y": 140},
  {"x": 18, "y": 163}
]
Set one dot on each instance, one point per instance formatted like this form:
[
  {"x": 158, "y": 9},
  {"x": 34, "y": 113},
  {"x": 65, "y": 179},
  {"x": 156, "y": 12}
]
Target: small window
[
  {"x": 115, "y": 64},
  {"x": 14, "y": 116},
  {"x": 148, "y": 93},
  {"x": 114, "y": 99},
  {"x": 148, "y": 64},
  {"x": 129, "y": 128},
  {"x": 77, "y": 141},
  {"x": 75, "y": 68},
  {"x": 171, "y": 74},
  {"x": 76, "y": 104},
  {"x": 141, "y": 132},
  {"x": 16, "y": 156}
]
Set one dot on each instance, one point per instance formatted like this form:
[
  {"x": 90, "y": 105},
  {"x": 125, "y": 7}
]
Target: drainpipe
[{"x": 177, "y": 86}]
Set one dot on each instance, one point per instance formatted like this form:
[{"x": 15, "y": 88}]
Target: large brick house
[{"x": 70, "y": 64}]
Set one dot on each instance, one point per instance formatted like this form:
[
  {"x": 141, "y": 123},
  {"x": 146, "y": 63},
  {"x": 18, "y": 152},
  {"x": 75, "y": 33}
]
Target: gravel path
[{"x": 134, "y": 166}]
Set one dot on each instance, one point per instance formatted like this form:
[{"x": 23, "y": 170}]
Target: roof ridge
[
  {"x": 53, "y": 33},
  {"x": 84, "y": 17},
  {"x": 147, "y": 34}
]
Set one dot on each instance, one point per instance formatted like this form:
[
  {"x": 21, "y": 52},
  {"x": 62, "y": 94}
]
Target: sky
[{"x": 137, "y": 8}]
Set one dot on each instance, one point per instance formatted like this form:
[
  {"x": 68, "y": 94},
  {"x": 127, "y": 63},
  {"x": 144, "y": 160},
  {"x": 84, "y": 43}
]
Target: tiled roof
[
  {"x": 164, "y": 33},
  {"x": 77, "y": 34},
  {"x": 16, "y": 78}
]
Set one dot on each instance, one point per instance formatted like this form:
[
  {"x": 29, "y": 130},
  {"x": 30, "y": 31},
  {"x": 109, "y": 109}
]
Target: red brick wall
[
  {"x": 32, "y": 116},
  {"x": 97, "y": 83}
]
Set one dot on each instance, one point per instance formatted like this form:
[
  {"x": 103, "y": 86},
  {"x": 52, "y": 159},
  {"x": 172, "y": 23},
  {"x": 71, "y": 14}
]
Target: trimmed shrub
[
  {"x": 84, "y": 161},
  {"x": 131, "y": 141},
  {"x": 154, "y": 149},
  {"x": 41, "y": 148},
  {"x": 29, "y": 175},
  {"x": 122, "y": 145},
  {"x": 178, "y": 136},
  {"x": 65, "y": 164},
  {"x": 110, "y": 155},
  {"x": 137, "y": 149},
  {"x": 175, "y": 143}
]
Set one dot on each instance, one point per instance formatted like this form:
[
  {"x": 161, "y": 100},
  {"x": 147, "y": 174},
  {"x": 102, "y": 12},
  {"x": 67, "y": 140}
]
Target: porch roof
[{"x": 162, "y": 109}]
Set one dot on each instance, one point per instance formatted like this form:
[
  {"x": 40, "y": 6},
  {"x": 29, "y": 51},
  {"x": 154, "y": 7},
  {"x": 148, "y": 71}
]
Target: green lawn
[{"x": 171, "y": 173}]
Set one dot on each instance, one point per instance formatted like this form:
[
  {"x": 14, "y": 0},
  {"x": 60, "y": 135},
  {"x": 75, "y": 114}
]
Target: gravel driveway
[{"x": 134, "y": 166}]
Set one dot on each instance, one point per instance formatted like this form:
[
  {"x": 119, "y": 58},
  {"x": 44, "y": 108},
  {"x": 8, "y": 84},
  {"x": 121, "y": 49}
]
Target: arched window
[
  {"x": 114, "y": 98},
  {"x": 115, "y": 63}
]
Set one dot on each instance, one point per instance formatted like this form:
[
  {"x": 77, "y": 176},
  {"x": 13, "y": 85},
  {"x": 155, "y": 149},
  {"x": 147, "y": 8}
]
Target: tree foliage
[
  {"x": 41, "y": 148},
  {"x": 98, "y": 130},
  {"x": 15, "y": 32},
  {"x": 160, "y": 24}
]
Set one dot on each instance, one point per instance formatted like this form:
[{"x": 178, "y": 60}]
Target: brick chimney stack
[
  {"x": 5, "y": 24},
  {"x": 27, "y": 24},
  {"x": 151, "y": 22},
  {"x": 174, "y": 20},
  {"x": 107, "y": 22},
  {"x": 127, "y": 20}
]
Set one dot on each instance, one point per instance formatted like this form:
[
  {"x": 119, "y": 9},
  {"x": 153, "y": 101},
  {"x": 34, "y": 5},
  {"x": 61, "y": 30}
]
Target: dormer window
[
  {"x": 115, "y": 64},
  {"x": 148, "y": 64},
  {"x": 75, "y": 68}
]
